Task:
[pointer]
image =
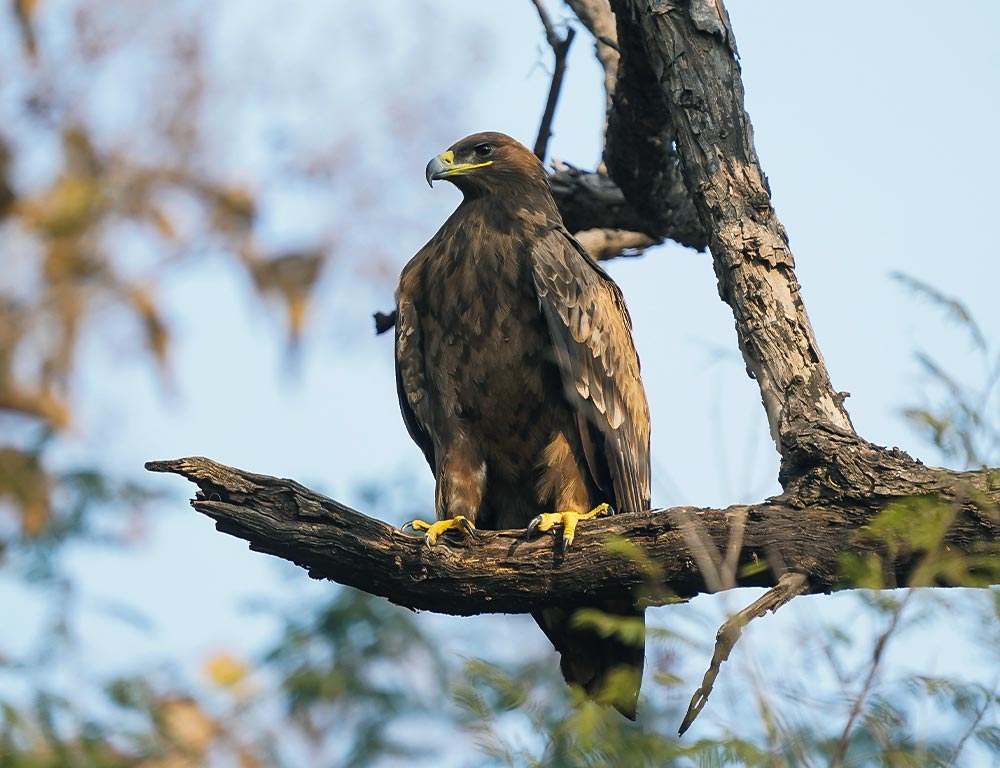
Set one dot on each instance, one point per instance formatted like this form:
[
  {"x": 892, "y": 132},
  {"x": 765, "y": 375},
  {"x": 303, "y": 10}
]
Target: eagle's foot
[
  {"x": 568, "y": 520},
  {"x": 459, "y": 523}
]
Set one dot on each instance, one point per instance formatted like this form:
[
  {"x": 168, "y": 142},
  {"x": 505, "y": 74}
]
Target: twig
[
  {"x": 610, "y": 42},
  {"x": 701, "y": 546},
  {"x": 991, "y": 697},
  {"x": 560, "y": 49},
  {"x": 862, "y": 697},
  {"x": 789, "y": 585}
]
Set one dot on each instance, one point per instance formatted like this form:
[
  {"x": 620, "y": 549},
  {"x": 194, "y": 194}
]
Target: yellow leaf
[{"x": 225, "y": 670}]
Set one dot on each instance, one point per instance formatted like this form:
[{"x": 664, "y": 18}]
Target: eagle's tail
[{"x": 602, "y": 649}]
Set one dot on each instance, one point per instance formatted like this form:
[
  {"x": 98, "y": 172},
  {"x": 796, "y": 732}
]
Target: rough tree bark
[
  {"x": 672, "y": 553},
  {"x": 681, "y": 156}
]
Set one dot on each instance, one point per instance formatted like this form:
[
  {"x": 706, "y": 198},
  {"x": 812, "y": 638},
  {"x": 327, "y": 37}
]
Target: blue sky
[{"x": 876, "y": 125}]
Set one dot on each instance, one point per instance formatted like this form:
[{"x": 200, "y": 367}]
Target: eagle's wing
[
  {"x": 411, "y": 380},
  {"x": 591, "y": 334}
]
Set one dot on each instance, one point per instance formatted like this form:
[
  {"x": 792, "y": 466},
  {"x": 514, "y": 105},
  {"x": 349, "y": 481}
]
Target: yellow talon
[
  {"x": 568, "y": 520},
  {"x": 458, "y": 523}
]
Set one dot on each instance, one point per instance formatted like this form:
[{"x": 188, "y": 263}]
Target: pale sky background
[{"x": 876, "y": 124}]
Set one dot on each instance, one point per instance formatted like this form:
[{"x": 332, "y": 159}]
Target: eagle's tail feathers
[{"x": 602, "y": 650}]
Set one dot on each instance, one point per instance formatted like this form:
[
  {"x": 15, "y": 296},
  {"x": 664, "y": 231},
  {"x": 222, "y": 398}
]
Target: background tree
[{"x": 170, "y": 150}]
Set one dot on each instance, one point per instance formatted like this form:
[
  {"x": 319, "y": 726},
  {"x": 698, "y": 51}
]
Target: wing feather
[
  {"x": 411, "y": 379},
  {"x": 591, "y": 334}
]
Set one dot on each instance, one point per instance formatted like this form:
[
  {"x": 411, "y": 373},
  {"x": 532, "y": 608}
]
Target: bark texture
[
  {"x": 673, "y": 553},
  {"x": 680, "y": 83},
  {"x": 591, "y": 200}
]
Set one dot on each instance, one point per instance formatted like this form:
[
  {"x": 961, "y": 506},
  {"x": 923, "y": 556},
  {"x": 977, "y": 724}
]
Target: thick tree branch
[
  {"x": 589, "y": 200},
  {"x": 639, "y": 148},
  {"x": 502, "y": 573},
  {"x": 680, "y": 80},
  {"x": 597, "y": 17}
]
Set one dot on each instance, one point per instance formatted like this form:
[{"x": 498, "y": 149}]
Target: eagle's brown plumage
[{"x": 519, "y": 380}]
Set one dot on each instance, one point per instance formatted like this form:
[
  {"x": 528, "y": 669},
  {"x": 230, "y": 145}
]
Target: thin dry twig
[
  {"x": 866, "y": 688},
  {"x": 789, "y": 585},
  {"x": 719, "y": 571},
  {"x": 730, "y": 565},
  {"x": 700, "y": 545},
  {"x": 560, "y": 49},
  {"x": 988, "y": 702}
]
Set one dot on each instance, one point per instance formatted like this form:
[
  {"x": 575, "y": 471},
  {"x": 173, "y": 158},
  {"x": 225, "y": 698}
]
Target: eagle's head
[{"x": 486, "y": 163}]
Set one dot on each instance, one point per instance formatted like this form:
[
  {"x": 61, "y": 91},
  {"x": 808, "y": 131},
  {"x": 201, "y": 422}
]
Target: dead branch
[
  {"x": 679, "y": 69},
  {"x": 560, "y": 49},
  {"x": 790, "y": 585},
  {"x": 597, "y": 17},
  {"x": 591, "y": 200},
  {"x": 502, "y": 573},
  {"x": 605, "y": 244}
]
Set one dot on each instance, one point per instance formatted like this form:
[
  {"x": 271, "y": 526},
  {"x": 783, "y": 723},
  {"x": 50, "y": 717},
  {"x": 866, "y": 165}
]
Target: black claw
[
  {"x": 427, "y": 541},
  {"x": 564, "y": 545},
  {"x": 535, "y": 522},
  {"x": 408, "y": 525},
  {"x": 469, "y": 528}
]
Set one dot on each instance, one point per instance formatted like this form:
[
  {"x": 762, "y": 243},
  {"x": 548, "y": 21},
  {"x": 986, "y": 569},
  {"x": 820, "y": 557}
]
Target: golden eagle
[{"x": 518, "y": 378}]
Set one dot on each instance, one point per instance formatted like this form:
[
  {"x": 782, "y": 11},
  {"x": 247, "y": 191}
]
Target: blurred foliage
[
  {"x": 356, "y": 677},
  {"x": 960, "y": 418},
  {"x": 130, "y": 148},
  {"x": 522, "y": 714},
  {"x": 918, "y": 530},
  {"x": 133, "y": 147}
]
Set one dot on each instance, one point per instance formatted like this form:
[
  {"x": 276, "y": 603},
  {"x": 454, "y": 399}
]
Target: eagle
[{"x": 519, "y": 380}]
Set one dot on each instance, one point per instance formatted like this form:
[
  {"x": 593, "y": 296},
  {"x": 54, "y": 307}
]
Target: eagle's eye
[{"x": 483, "y": 150}]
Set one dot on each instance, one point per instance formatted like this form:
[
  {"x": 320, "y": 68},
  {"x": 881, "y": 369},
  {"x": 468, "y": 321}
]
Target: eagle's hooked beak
[
  {"x": 439, "y": 166},
  {"x": 444, "y": 166}
]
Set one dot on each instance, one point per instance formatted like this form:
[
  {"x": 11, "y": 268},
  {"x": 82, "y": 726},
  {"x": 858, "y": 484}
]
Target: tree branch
[
  {"x": 861, "y": 699},
  {"x": 560, "y": 49},
  {"x": 680, "y": 81},
  {"x": 605, "y": 244},
  {"x": 500, "y": 572},
  {"x": 790, "y": 585},
  {"x": 589, "y": 200},
  {"x": 597, "y": 17}
]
